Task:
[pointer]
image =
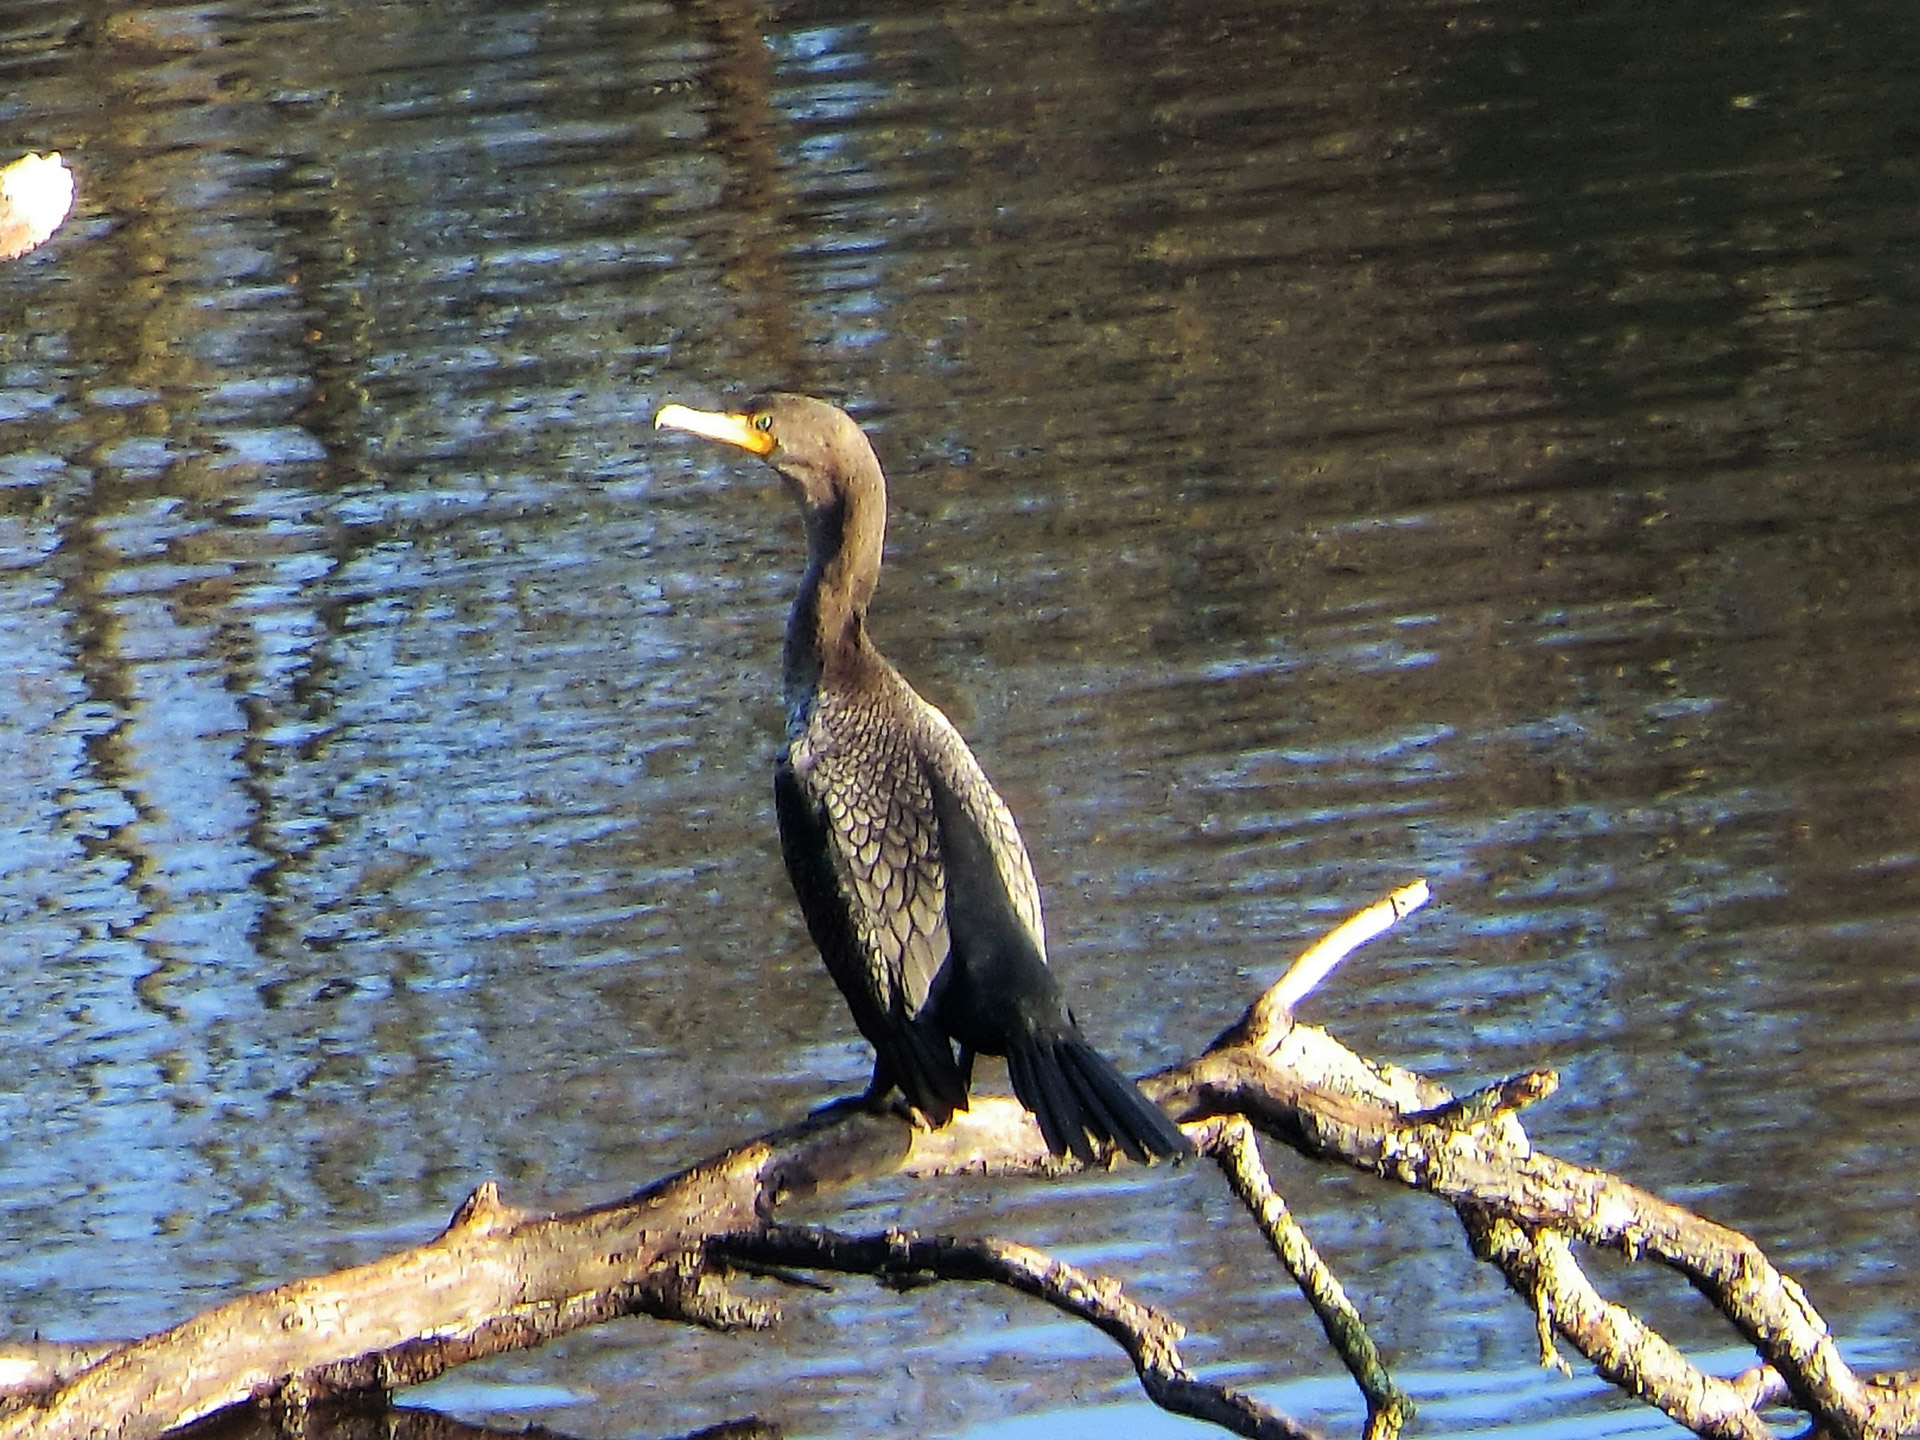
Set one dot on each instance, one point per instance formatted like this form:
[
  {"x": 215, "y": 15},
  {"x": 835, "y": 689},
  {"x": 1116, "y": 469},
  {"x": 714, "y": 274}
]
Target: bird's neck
[{"x": 827, "y": 631}]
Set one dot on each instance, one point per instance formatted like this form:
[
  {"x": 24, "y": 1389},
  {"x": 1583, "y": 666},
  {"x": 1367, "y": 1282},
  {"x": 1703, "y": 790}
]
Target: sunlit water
[{"x": 1330, "y": 446}]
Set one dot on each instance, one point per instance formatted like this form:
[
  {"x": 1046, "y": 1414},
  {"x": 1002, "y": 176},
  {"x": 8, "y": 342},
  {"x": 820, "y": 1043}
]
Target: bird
[{"x": 910, "y": 871}]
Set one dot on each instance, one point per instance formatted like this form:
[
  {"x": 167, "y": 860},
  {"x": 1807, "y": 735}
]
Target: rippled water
[{"x": 1330, "y": 445}]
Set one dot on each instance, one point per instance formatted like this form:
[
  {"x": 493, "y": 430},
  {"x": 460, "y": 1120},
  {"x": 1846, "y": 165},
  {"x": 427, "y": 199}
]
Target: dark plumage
[{"x": 912, "y": 875}]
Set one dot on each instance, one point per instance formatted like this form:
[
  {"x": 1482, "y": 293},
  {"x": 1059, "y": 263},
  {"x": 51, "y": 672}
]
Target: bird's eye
[{"x": 763, "y": 422}]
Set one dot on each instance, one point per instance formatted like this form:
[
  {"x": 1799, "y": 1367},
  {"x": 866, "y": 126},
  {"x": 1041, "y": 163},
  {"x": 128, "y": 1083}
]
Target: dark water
[{"x": 1331, "y": 444}]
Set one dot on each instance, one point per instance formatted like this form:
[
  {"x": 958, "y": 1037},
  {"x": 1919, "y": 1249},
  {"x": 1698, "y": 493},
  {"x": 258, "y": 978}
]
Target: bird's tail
[
  {"x": 1081, "y": 1101},
  {"x": 918, "y": 1058}
]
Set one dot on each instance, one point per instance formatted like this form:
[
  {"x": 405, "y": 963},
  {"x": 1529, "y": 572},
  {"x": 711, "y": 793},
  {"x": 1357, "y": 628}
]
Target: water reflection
[{"x": 1324, "y": 452}]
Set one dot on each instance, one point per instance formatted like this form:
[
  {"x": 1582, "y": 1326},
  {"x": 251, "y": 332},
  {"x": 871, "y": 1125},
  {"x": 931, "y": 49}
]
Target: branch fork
[{"x": 500, "y": 1278}]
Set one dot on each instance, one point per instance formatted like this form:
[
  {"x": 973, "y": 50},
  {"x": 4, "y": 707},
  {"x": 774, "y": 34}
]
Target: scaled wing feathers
[
  {"x": 872, "y": 783},
  {"x": 873, "y": 790},
  {"x": 949, "y": 756}
]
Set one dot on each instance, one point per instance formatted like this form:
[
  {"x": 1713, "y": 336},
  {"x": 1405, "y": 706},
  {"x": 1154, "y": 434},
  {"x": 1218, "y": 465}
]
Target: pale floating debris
[{"x": 36, "y": 192}]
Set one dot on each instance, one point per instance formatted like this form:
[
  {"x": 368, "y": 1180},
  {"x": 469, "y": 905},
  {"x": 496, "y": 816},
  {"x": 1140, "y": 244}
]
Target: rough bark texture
[{"x": 500, "y": 1279}]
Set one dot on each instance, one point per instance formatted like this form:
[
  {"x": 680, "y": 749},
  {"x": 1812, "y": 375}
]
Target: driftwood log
[{"x": 502, "y": 1279}]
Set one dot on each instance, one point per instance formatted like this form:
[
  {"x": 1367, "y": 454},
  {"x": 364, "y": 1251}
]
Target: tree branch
[
  {"x": 1333, "y": 1105},
  {"x": 501, "y": 1279},
  {"x": 1238, "y": 1155},
  {"x": 1150, "y": 1338}
]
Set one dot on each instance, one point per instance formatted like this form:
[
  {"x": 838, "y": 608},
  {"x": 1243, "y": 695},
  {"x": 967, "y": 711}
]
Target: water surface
[{"x": 1330, "y": 445}]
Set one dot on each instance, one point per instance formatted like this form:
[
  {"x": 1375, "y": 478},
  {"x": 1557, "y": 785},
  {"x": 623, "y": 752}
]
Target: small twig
[
  {"x": 1237, "y": 1153},
  {"x": 1150, "y": 1338},
  {"x": 1267, "y": 1020},
  {"x": 1505, "y": 1097}
]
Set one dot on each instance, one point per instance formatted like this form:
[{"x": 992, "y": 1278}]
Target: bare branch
[
  {"x": 1333, "y": 1105},
  {"x": 1508, "y": 1097},
  {"x": 500, "y": 1278},
  {"x": 1150, "y": 1338},
  {"x": 1541, "y": 1269},
  {"x": 1264, "y": 1023},
  {"x": 496, "y": 1280},
  {"x": 1236, "y": 1152}
]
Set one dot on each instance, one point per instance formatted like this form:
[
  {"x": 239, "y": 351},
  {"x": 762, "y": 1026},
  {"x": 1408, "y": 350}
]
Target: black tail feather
[
  {"x": 921, "y": 1063},
  {"x": 1135, "y": 1121},
  {"x": 1043, "y": 1089},
  {"x": 1080, "y": 1099},
  {"x": 1104, "y": 1112}
]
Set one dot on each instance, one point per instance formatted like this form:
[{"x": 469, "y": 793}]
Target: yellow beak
[{"x": 733, "y": 429}]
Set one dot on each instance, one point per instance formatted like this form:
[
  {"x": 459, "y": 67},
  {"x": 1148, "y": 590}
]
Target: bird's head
[{"x": 822, "y": 454}]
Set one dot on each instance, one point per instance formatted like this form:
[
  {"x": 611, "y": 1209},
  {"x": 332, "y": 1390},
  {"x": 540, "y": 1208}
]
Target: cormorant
[{"x": 914, "y": 881}]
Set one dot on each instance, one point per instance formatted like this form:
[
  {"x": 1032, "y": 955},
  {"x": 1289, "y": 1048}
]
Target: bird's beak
[{"x": 733, "y": 428}]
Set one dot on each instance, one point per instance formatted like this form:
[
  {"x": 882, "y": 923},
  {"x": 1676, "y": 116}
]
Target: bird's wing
[
  {"x": 872, "y": 791},
  {"x": 947, "y": 755}
]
